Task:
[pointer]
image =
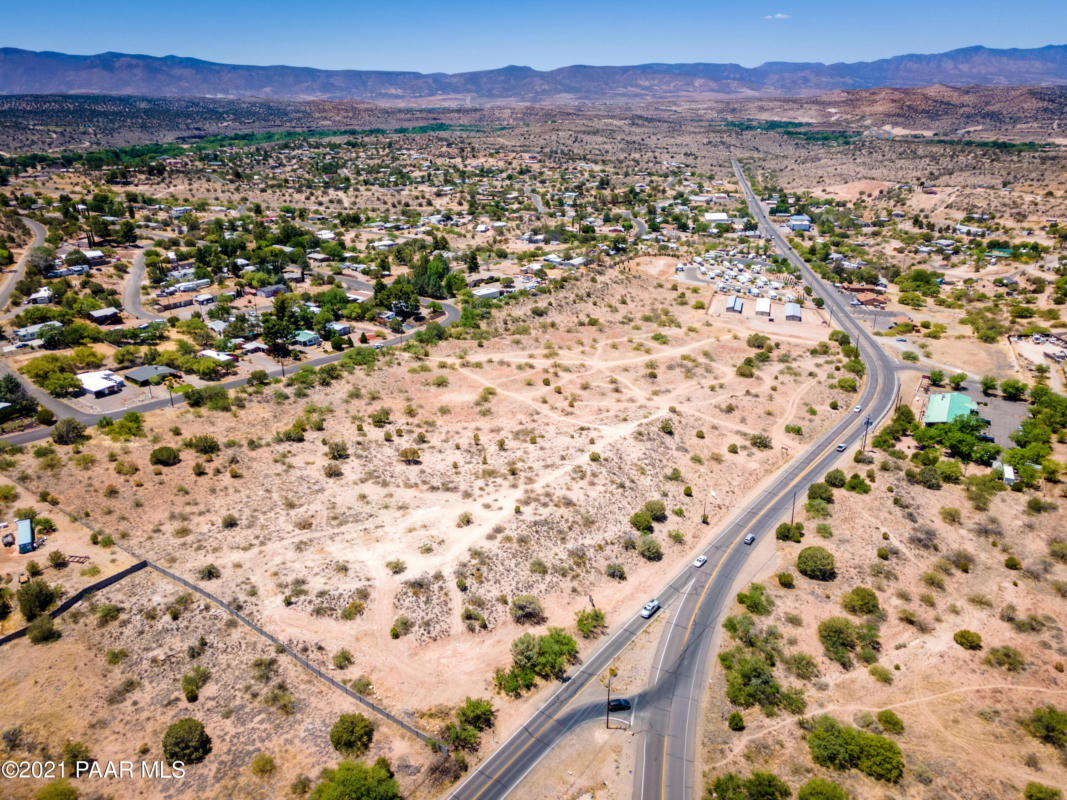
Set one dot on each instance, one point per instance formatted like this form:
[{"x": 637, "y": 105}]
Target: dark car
[{"x": 619, "y": 705}]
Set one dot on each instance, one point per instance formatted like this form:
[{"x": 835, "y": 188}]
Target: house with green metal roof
[{"x": 946, "y": 406}]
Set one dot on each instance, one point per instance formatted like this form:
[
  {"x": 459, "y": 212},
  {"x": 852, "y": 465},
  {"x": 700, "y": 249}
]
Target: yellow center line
[{"x": 689, "y": 628}]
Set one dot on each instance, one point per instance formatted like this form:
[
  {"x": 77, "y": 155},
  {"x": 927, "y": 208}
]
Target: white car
[
  {"x": 750, "y": 538},
  {"x": 650, "y": 608},
  {"x": 857, "y": 409},
  {"x": 700, "y": 561}
]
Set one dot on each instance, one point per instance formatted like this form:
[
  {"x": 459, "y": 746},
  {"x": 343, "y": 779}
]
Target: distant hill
[{"x": 29, "y": 72}]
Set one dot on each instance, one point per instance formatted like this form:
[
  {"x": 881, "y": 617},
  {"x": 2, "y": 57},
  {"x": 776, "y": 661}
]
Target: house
[
  {"x": 487, "y": 292},
  {"x": 215, "y": 355},
  {"x": 270, "y": 291},
  {"x": 101, "y": 383},
  {"x": 41, "y": 297},
  {"x": 383, "y": 244},
  {"x": 870, "y": 299},
  {"x": 946, "y": 406},
  {"x": 717, "y": 218},
  {"x": 171, "y": 302},
  {"x": 306, "y": 338},
  {"x": 142, "y": 376},
  {"x": 734, "y": 304},
  {"x": 339, "y": 328},
  {"x": 800, "y": 222},
  {"x": 969, "y": 230},
  {"x": 763, "y": 307},
  {"x": 792, "y": 312},
  {"x": 96, "y": 258},
  {"x": 25, "y": 535},
  {"x": 31, "y": 332},
  {"x": 105, "y": 316},
  {"x": 204, "y": 299},
  {"x": 254, "y": 347}
]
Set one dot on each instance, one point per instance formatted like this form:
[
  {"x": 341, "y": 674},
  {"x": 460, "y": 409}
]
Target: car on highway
[
  {"x": 650, "y": 608},
  {"x": 901, "y": 339},
  {"x": 857, "y": 409},
  {"x": 700, "y": 561},
  {"x": 619, "y": 704},
  {"x": 841, "y": 447},
  {"x": 750, "y": 538}
]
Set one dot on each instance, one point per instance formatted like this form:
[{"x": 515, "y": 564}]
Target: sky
[{"x": 463, "y": 35}]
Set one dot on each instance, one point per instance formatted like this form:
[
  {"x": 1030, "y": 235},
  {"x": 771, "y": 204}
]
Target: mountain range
[{"x": 31, "y": 72}]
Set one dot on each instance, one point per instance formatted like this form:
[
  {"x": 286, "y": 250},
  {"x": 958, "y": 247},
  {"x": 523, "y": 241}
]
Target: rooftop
[{"x": 946, "y": 406}]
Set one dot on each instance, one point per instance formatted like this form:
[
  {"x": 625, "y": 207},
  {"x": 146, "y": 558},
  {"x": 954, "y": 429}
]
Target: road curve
[
  {"x": 39, "y": 233},
  {"x": 694, "y": 599},
  {"x": 131, "y": 290}
]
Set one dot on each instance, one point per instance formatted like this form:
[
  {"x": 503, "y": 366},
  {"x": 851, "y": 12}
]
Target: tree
[
  {"x": 649, "y": 549},
  {"x": 816, "y": 563},
  {"x": 352, "y": 734},
  {"x": 861, "y": 601},
  {"x": 1038, "y": 791},
  {"x": 42, "y": 630},
  {"x": 989, "y": 385},
  {"x": 34, "y": 597},
  {"x": 186, "y": 741},
  {"x": 958, "y": 380},
  {"x": 476, "y": 713},
  {"x": 1048, "y": 724},
  {"x": 352, "y": 780},
  {"x": 1013, "y": 389},
  {"x": 937, "y": 377},
  {"x": 409, "y": 455},
  {"x": 68, "y": 431}
]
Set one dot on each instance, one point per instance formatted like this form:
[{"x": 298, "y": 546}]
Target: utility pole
[
  {"x": 612, "y": 672},
  {"x": 866, "y": 426},
  {"x": 793, "y": 510}
]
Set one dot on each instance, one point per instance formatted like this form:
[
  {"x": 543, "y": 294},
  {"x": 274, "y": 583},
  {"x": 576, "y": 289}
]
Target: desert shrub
[
  {"x": 59, "y": 789},
  {"x": 968, "y": 640},
  {"x": 1048, "y": 724},
  {"x": 590, "y": 623},
  {"x": 841, "y": 747},
  {"x": 656, "y": 509},
  {"x": 193, "y": 682},
  {"x": 641, "y": 520},
  {"x": 186, "y": 741},
  {"x": 735, "y": 721},
  {"x": 880, "y": 674},
  {"x": 615, "y": 571},
  {"x": 785, "y": 580},
  {"x": 525, "y": 608},
  {"x": 262, "y": 765},
  {"x": 1006, "y": 658},
  {"x": 331, "y": 469},
  {"x": 801, "y": 665},
  {"x": 353, "y": 779},
  {"x": 816, "y": 563},
  {"x": 34, "y": 597},
  {"x": 1038, "y": 791},
  {"x": 352, "y": 734},
  {"x": 821, "y": 789},
  {"x": 756, "y": 600},
  {"x": 790, "y": 533},
  {"x": 209, "y": 572},
  {"x": 760, "y": 786},
  {"x": 840, "y": 637},
  {"x": 649, "y": 549},
  {"x": 890, "y": 721},
  {"x": 42, "y": 630},
  {"x": 203, "y": 444},
  {"x": 164, "y": 456},
  {"x": 861, "y": 601}
]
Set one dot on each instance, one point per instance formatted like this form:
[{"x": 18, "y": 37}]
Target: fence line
[
  {"x": 297, "y": 657},
  {"x": 79, "y": 595}
]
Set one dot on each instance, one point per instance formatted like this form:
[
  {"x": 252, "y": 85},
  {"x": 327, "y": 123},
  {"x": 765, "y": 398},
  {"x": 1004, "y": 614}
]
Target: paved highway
[{"x": 694, "y": 599}]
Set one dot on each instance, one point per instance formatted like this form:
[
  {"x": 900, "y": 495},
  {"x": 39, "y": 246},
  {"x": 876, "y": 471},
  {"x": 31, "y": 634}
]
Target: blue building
[
  {"x": 25, "y": 535},
  {"x": 800, "y": 222}
]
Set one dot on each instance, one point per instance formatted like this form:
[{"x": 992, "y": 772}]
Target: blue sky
[{"x": 436, "y": 36}]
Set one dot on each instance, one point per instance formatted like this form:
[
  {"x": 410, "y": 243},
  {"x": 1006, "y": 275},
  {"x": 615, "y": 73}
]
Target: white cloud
[{"x": 779, "y": 15}]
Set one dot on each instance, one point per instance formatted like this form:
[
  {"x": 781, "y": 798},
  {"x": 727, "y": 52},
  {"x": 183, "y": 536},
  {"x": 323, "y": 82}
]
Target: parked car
[
  {"x": 650, "y": 608},
  {"x": 619, "y": 704}
]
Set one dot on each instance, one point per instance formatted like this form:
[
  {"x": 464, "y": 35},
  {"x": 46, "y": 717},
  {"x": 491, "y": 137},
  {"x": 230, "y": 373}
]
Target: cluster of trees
[
  {"x": 536, "y": 657},
  {"x": 842, "y": 747},
  {"x": 749, "y": 666}
]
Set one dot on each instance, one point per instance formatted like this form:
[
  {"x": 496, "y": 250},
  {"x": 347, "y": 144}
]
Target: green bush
[
  {"x": 353, "y": 779},
  {"x": 821, "y": 789},
  {"x": 525, "y": 608},
  {"x": 649, "y": 549},
  {"x": 1038, "y": 791},
  {"x": 735, "y": 721},
  {"x": 841, "y": 747},
  {"x": 816, "y": 563},
  {"x": 890, "y": 721},
  {"x": 34, "y": 597},
  {"x": 790, "y": 533},
  {"x": 756, "y": 600},
  {"x": 761, "y": 786},
  {"x": 968, "y": 640},
  {"x": 42, "y": 630},
  {"x": 615, "y": 571},
  {"x": 1006, "y": 658},
  {"x": 1048, "y": 724},
  {"x": 164, "y": 456},
  {"x": 186, "y": 741},
  {"x": 352, "y": 734},
  {"x": 861, "y": 601},
  {"x": 785, "y": 580}
]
